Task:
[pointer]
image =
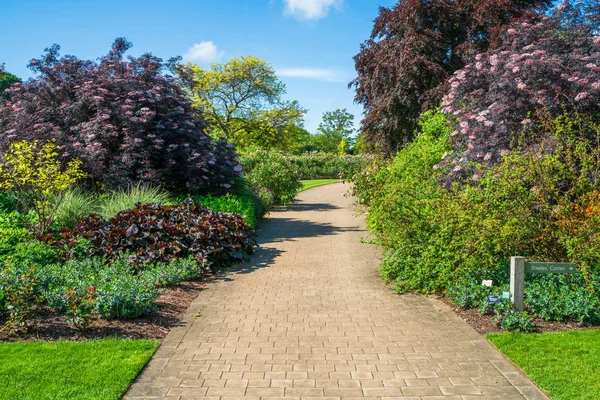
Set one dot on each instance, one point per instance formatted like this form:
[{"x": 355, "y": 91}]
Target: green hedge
[
  {"x": 320, "y": 165},
  {"x": 540, "y": 204}
]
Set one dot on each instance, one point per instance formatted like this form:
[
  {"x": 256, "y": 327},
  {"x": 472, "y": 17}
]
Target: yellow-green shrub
[{"x": 37, "y": 177}]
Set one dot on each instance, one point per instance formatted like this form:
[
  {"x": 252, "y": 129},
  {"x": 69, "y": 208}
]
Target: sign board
[
  {"x": 519, "y": 267},
  {"x": 550, "y": 268},
  {"x": 505, "y": 295},
  {"x": 494, "y": 299}
]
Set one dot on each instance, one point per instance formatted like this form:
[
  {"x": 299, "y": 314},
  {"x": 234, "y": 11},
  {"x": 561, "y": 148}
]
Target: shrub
[
  {"x": 405, "y": 214},
  {"x": 19, "y": 295},
  {"x": 81, "y": 306},
  {"x": 154, "y": 232},
  {"x": 37, "y": 178},
  {"x": 272, "y": 171},
  {"x": 538, "y": 204},
  {"x": 367, "y": 181},
  {"x": 126, "y": 120},
  {"x": 114, "y": 202},
  {"x": 503, "y": 97},
  {"x": 541, "y": 204},
  {"x": 265, "y": 199}
]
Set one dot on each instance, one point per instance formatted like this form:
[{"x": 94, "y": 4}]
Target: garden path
[{"x": 309, "y": 317}]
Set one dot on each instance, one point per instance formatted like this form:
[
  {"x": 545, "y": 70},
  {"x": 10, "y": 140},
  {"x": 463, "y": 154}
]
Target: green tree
[
  {"x": 6, "y": 80},
  {"x": 242, "y": 101},
  {"x": 277, "y": 129},
  {"x": 336, "y": 126}
]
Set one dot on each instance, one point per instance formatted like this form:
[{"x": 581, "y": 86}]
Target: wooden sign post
[
  {"x": 519, "y": 266},
  {"x": 517, "y": 281}
]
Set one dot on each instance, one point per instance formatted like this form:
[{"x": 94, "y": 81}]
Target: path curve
[{"x": 310, "y": 317}]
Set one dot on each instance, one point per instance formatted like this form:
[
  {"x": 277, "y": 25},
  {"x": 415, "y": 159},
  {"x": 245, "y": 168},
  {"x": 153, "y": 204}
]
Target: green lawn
[
  {"x": 101, "y": 369},
  {"x": 566, "y": 365},
  {"x": 311, "y": 183}
]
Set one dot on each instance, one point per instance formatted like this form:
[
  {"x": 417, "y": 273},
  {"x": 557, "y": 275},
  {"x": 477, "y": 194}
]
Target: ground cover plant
[
  {"x": 563, "y": 364},
  {"x": 101, "y": 369},
  {"x": 115, "y": 268},
  {"x": 154, "y": 232}
]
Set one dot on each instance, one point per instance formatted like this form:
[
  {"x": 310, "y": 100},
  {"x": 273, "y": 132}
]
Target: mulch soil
[
  {"x": 483, "y": 323},
  {"x": 49, "y": 325}
]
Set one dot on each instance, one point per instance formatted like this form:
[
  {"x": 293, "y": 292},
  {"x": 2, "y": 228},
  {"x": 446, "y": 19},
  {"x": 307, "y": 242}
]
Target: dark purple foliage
[
  {"x": 154, "y": 232},
  {"x": 124, "y": 118},
  {"x": 414, "y": 47},
  {"x": 542, "y": 70}
]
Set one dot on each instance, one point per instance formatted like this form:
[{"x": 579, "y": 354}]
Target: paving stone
[{"x": 309, "y": 317}]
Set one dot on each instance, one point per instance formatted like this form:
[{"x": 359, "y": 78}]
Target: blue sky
[{"x": 310, "y": 42}]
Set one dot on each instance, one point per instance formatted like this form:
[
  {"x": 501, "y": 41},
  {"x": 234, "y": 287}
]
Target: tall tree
[
  {"x": 336, "y": 126},
  {"x": 6, "y": 80},
  {"x": 414, "y": 47},
  {"x": 240, "y": 98}
]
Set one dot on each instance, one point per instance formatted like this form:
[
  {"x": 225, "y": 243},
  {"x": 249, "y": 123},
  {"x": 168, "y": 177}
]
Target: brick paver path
[{"x": 309, "y": 317}]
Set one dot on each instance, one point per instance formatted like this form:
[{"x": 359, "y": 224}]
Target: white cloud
[
  {"x": 320, "y": 74},
  {"x": 310, "y": 9},
  {"x": 203, "y": 52}
]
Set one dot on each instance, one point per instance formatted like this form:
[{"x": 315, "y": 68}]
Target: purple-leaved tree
[
  {"x": 415, "y": 46},
  {"x": 542, "y": 69},
  {"x": 126, "y": 119}
]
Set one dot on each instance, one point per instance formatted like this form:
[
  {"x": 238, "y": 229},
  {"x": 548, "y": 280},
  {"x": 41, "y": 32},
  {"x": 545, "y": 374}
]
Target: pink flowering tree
[
  {"x": 125, "y": 119},
  {"x": 414, "y": 47},
  {"x": 544, "y": 68}
]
